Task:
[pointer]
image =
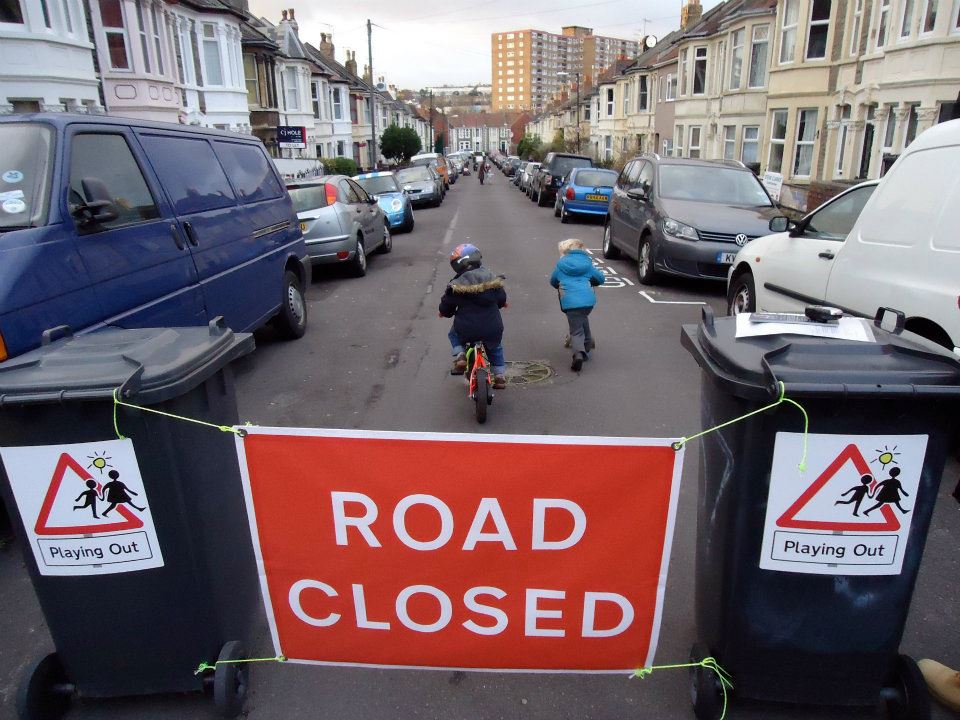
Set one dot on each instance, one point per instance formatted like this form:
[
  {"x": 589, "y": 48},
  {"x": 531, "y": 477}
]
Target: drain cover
[{"x": 525, "y": 372}]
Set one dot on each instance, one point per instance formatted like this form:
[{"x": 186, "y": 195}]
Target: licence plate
[
  {"x": 726, "y": 258},
  {"x": 601, "y": 198}
]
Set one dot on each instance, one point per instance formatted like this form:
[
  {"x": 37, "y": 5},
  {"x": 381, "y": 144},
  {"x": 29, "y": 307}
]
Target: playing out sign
[{"x": 461, "y": 551}]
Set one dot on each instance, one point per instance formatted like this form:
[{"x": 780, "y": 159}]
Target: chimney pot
[
  {"x": 291, "y": 13},
  {"x": 284, "y": 14}
]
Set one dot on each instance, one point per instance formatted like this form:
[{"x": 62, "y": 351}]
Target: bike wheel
[{"x": 481, "y": 395}]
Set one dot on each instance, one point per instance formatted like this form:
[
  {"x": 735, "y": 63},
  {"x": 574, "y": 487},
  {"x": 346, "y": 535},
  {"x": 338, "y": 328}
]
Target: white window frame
[
  {"x": 729, "y": 142},
  {"x": 908, "y": 14},
  {"x": 855, "y": 26},
  {"x": 608, "y": 147},
  {"x": 113, "y": 30},
  {"x": 744, "y": 141},
  {"x": 643, "y": 94},
  {"x": 811, "y": 24},
  {"x": 696, "y": 60},
  {"x": 842, "y": 139},
  {"x": 883, "y": 23},
  {"x": 626, "y": 99},
  {"x": 928, "y": 6},
  {"x": 682, "y": 71},
  {"x": 789, "y": 28},
  {"x": 68, "y": 23},
  {"x": 721, "y": 66},
  {"x": 691, "y": 147},
  {"x": 774, "y": 140},
  {"x": 678, "y": 131},
  {"x": 736, "y": 72},
  {"x": 889, "y": 129},
  {"x": 913, "y": 115},
  {"x": 671, "y": 87},
  {"x": 206, "y": 42},
  {"x": 610, "y": 103},
  {"x": 316, "y": 105},
  {"x": 798, "y": 143},
  {"x": 754, "y": 43},
  {"x": 144, "y": 35},
  {"x": 294, "y": 88},
  {"x": 158, "y": 41}
]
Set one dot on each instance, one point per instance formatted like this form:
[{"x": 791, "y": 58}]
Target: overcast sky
[{"x": 433, "y": 42}]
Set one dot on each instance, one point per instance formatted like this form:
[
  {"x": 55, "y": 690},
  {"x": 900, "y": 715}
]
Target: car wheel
[
  {"x": 609, "y": 251},
  {"x": 359, "y": 266},
  {"x": 742, "y": 297},
  {"x": 645, "y": 271},
  {"x": 437, "y": 201},
  {"x": 556, "y": 206},
  {"x": 408, "y": 223},
  {"x": 291, "y": 321},
  {"x": 564, "y": 215},
  {"x": 387, "y": 240}
]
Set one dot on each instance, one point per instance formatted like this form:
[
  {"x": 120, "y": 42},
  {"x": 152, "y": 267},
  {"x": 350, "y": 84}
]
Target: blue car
[
  {"x": 585, "y": 191},
  {"x": 394, "y": 202}
]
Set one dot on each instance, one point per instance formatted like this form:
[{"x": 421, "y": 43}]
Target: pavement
[{"x": 376, "y": 356}]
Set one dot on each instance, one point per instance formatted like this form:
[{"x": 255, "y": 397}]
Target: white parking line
[{"x": 672, "y": 302}]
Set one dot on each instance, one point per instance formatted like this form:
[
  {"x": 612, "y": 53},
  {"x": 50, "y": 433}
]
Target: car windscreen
[
  {"x": 595, "y": 178},
  {"x": 703, "y": 183},
  {"x": 308, "y": 197},
  {"x": 417, "y": 173},
  {"x": 377, "y": 185},
  {"x": 26, "y": 160},
  {"x": 563, "y": 165},
  {"x": 425, "y": 162}
]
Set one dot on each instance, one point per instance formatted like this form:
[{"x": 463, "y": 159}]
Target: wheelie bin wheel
[
  {"x": 905, "y": 695},
  {"x": 230, "y": 681},
  {"x": 44, "y": 693},
  {"x": 706, "y": 692}
]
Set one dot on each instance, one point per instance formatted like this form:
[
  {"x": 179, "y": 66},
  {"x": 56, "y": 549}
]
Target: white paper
[{"x": 847, "y": 328}]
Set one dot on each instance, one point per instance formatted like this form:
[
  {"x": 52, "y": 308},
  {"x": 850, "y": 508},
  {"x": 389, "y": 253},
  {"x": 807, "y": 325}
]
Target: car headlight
[
  {"x": 396, "y": 205},
  {"x": 679, "y": 230}
]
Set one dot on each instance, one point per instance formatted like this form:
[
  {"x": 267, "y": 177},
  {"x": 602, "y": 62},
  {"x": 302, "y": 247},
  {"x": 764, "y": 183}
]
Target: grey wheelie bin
[
  {"x": 135, "y": 599},
  {"x": 804, "y": 576}
]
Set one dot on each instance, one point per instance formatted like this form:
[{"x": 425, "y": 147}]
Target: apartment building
[{"x": 530, "y": 67}]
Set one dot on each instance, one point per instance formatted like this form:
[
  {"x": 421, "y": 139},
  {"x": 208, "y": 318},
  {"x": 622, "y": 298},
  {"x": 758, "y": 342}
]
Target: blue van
[{"x": 127, "y": 223}]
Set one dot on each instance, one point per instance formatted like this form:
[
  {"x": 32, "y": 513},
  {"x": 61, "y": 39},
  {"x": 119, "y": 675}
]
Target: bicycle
[{"x": 478, "y": 372}]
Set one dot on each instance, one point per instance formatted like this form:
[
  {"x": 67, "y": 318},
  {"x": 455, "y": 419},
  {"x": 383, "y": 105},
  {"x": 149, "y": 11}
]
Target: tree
[
  {"x": 529, "y": 147},
  {"x": 439, "y": 143},
  {"x": 399, "y": 143},
  {"x": 341, "y": 166}
]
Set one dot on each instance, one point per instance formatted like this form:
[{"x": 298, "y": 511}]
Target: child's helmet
[{"x": 465, "y": 256}]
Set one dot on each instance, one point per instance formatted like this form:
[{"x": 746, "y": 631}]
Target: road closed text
[{"x": 389, "y": 550}]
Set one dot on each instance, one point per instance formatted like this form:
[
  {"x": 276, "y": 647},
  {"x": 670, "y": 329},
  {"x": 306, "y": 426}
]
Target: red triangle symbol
[
  {"x": 130, "y": 521},
  {"x": 849, "y": 454}
]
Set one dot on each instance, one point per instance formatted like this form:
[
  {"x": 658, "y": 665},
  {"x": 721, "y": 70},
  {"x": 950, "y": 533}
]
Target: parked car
[
  {"x": 422, "y": 184},
  {"x": 586, "y": 191},
  {"x": 526, "y": 177},
  {"x": 394, "y": 202},
  {"x": 128, "y": 223},
  {"x": 902, "y": 251},
  {"x": 556, "y": 166},
  {"x": 435, "y": 160},
  {"x": 341, "y": 222},
  {"x": 511, "y": 165},
  {"x": 685, "y": 217},
  {"x": 518, "y": 174}
]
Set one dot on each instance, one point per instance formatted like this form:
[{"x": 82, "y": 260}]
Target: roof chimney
[
  {"x": 284, "y": 16},
  {"x": 690, "y": 14},
  {"x": 294, "y": 24},
  {"x": 326, "y": 46},
  {"x": 351, "y": 63},
  {"x": 366, "y": 74}
]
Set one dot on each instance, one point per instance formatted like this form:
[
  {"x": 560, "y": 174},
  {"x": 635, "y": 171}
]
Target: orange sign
[{"x": 462, "y": 551}]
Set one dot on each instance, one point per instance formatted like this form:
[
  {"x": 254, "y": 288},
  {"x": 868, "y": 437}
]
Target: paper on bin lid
[{"x": 846, "y": 328}]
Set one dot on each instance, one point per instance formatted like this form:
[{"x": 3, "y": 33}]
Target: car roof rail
[
  {"x": 731, "y": 163},
  {"x": 655, "y": 156}
]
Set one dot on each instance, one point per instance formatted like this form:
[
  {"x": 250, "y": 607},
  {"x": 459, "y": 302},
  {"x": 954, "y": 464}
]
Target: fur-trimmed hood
[{"x": 477, "y": 280}]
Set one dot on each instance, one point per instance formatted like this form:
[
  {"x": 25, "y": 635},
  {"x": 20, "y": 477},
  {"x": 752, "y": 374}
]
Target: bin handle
[
  {"x": 217, "y": 326},
  {"x": 48, "y": 335},
  {"x": 131, "y": 385},
  {"x": 901, "y": 319},
  {"x": 707, "y": 318}
]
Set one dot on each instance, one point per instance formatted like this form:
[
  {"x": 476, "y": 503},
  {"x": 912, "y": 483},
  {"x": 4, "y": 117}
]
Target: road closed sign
[
  {"x": 485, "y": 552},
  {"x": 84, "y": 507},
  {"x": 850, "y": 512}
]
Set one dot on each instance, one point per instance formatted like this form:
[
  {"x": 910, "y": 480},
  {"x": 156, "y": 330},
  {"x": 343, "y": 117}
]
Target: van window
[
  {"x": 107, "y": 158},
  {"x": 190, "y": 173},
  {"x": 248, "y": 169},
  {"x": 907, "y": 206}
]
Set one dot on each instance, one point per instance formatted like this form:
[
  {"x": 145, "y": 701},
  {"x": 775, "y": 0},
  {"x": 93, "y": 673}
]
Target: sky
[{"x": 436, "y": 42}]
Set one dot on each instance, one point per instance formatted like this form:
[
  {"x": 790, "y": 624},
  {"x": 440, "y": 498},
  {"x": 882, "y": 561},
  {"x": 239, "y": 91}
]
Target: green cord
[
  {"x": 726, "y": 682},
  {"x": 782, "y": 399},
  {"x": 117, "y": 402},
  {"x": 203, "y": 667}
]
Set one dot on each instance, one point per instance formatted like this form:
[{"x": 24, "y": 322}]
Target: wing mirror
[
  {"x": 638, "y": 193},
  {"x": 99, "y": 206},
  {"x": 781, "y": 223}
]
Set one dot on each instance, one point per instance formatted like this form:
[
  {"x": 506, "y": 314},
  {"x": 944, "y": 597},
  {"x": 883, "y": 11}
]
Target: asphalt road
[{"x": 376, "y": 356}]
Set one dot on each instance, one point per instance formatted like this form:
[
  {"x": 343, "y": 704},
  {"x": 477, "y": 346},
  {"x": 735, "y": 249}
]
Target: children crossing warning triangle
[{"x": 52, "y": 519}]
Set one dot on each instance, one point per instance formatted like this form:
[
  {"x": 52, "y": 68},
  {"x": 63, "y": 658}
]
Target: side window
[
  {"x": 634, "y": 175},
  {"x": 646, "y": 177},
  {"x": 249, "y": 171},
  {"x": 622, "y": 181},
  {"x": 348, "y": 193},
  {"x": 190, "y": 173},
  {"x": 360, "y": 192},
  {"x": 121, "y": 178},
  {"x": 835, "y": 221}
]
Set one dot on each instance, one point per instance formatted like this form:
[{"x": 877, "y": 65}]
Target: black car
[
  {"x": 685, "y": 217},
  {"x": 550, "y": 176}
]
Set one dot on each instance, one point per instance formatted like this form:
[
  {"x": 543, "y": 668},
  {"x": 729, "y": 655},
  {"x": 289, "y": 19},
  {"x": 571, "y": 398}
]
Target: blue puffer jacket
[{"x": 574, "y": 276}]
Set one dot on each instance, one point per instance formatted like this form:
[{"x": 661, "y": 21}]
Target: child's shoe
[
  {"x": 499, "y": 382},
  {"x": 459, "y": 364},
  {"x": 944, "y": 683},
  {"x": 577, "y": 364}
]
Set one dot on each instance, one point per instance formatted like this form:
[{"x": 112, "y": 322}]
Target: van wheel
[
  {"x": 359, "y": 266},
  {"x": 743, "y": 295},
  {"x": 291, "y": 322},
  {"x": 610, "y": 252},
  {"x": 645, "y": 271}
]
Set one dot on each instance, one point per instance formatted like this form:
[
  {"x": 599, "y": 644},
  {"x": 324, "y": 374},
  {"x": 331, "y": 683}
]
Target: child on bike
[{"x": 473, "y": 299}]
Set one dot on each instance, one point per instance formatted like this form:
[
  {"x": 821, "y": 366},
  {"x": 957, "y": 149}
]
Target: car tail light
[
  {"x": 570, "y": 194},
  {"x": 342, "y": 255},
  {"x": 3, "y": 349},
  {"x": 331, "y": 192}
]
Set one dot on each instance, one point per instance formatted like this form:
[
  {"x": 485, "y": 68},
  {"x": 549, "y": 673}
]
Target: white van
[{"x": 903, "y": 251}]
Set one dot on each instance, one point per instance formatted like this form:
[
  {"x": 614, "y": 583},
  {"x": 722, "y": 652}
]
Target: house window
[
  {"x": 671, "y": 86},
  {"x": 315, "y": 99},
  {"x": 750, "y": 149},
  {"x": 678, "y": 137},
  {"x": 609, "y": 102},
  {"x": 46, "y": 13},
  {"x": 341, "y": 148},
  {"x": 906, "y": 22},
  {"x": 694, "y": 149},
  {"x": 912, "y": 120},
  {"x": 683, "y": 72},
  {"x": 819, "y": 29},
  {"x": 213, "y": 71},
  {"x": 67, "y": 16},
  {"x": 758, "y": 56},
  {"x": 729, "y": 142},
  {"x": 699, "y": 70},
  {"x": 327, "y": 107},
  {"x": 883, "y": 24},
  {"x": 721, "y": 66},
  {"x": 253, "y": 84},
  {"x": 111, "y": 15},
  {"x": 144, "y": 45},
  {"x": 855, "y": 26},
  {"x": 608, "y": 147},
  {"x": 929, "y": 16},
  {"x": 842, "y": 138},
  {"x": 11, "y": 12},
  {"x": 806, "y": 135},
  {"x": 642, "y": 94},
  {"x": 890, "y": 130},
  {"x": 736, "y": 61},
  {"x": 291, "y": 89},
  {"x": 668, "y": 148},
  {"x": 157, "y": 43},
  {"x": 778, "y": 139},
  {"x": 788, "y": 33},
  {"x": 956, "y": 18}
]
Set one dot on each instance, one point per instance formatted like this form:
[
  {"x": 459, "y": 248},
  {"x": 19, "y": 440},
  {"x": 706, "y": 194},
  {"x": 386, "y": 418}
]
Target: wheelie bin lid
[
  {"x": 895, "y": 365},
  {"x": 151, "y": 365}
]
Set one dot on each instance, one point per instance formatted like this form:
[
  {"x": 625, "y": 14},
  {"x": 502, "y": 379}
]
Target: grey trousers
[{"x": 579, "y": 322}]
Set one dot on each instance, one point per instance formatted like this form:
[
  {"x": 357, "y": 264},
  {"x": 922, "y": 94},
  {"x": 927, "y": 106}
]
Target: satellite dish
[
  {"x": 381, "y": 86},
  {"x": 649, "y": 41}
]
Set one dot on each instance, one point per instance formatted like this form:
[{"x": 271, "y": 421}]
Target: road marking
[
  {"x": 672, "y": 302},
  {"x": 453, "y": 224}
]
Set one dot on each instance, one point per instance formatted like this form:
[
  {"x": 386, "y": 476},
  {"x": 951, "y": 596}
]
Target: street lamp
[{"x": 564, "y": 73}]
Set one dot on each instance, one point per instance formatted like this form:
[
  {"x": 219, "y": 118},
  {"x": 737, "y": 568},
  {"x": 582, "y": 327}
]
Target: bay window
[
  {"x": 213, "y": 70},
  {"x": 699, "y": 70},
  {"x": 806, "y": 135},
  {"x": 736, "y": 60},
  {"x": 758, "y": 56},
  {"x": 111, "y": 16},
  {"x": 778, "y": 140},
  {"x": 819, "y": 29},
  {"x": 142, "y": 31},
  {"x": 750, "y": 146},
  {"x": 788, "y": 31}
]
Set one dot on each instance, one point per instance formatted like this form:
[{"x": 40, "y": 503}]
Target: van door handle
[
  {"x": 191, "y": 234},
  {"x": 177, "y": 240},
  {"x": 826, "y": 255}
]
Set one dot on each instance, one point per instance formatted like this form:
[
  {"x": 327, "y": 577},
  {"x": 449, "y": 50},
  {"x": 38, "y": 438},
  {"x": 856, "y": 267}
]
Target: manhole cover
[{"x": 525, "y": 372}]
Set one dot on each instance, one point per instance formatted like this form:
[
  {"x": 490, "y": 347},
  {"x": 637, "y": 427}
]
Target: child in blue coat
[{"x": 575, "y": 277}]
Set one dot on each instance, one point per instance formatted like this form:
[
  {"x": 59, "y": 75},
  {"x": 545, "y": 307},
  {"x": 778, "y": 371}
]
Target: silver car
[
  {"x": 422, "y": 185},
  {"x": 527, "y": 177},
  {"x": 340, "y": 222}
]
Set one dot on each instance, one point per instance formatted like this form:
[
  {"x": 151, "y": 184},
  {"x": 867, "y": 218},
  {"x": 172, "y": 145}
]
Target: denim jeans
[{"x": 496, "y": 353}]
